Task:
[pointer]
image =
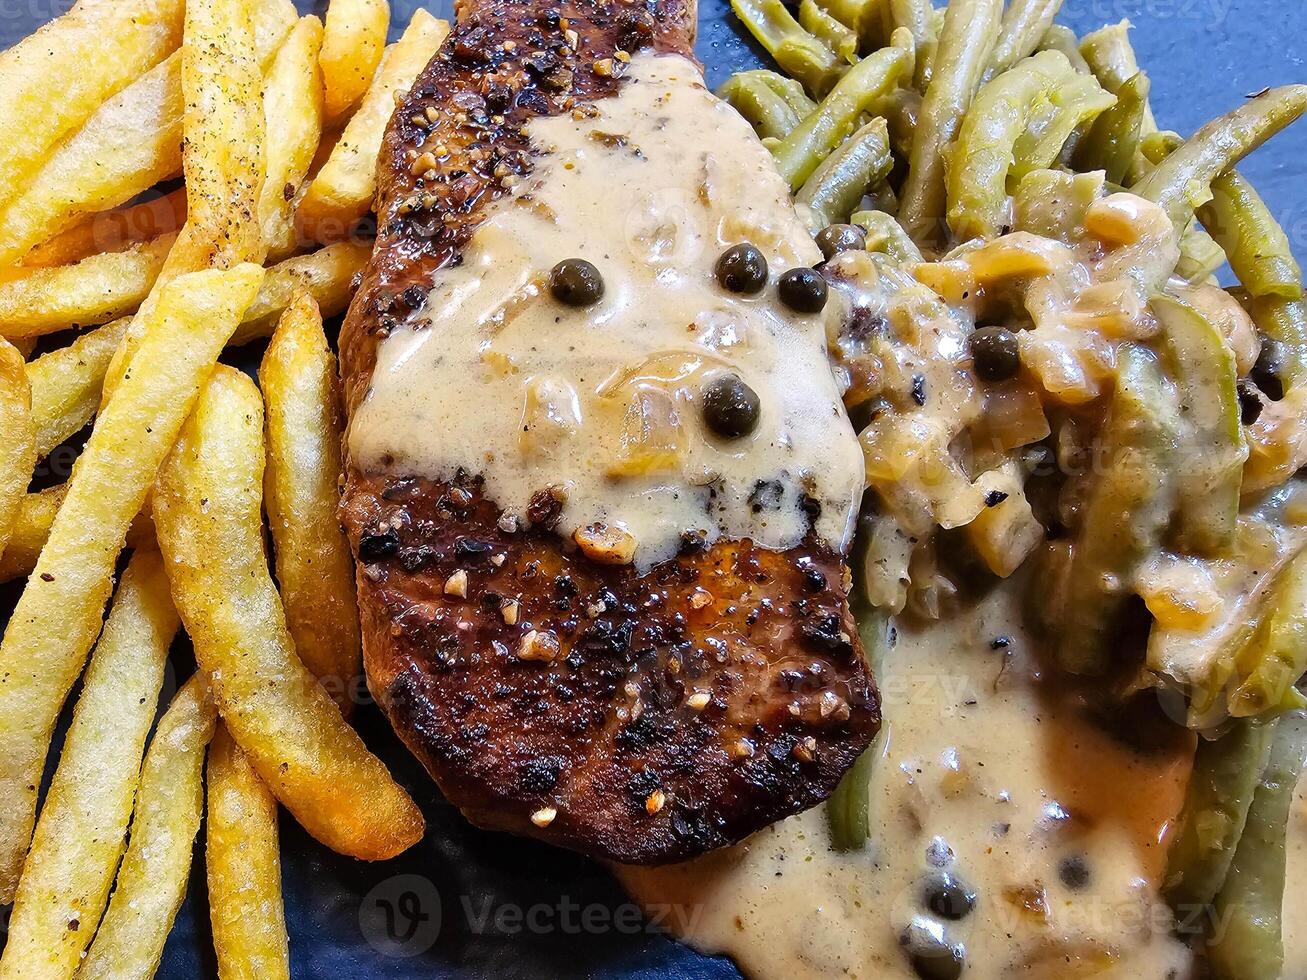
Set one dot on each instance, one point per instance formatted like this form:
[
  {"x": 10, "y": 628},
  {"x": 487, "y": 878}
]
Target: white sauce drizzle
[{"x": 496, "y": 376}]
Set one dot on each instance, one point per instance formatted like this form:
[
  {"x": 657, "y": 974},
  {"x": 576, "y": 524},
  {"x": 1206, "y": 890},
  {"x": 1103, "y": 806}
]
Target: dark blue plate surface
[{"x": 470, "y": 904}]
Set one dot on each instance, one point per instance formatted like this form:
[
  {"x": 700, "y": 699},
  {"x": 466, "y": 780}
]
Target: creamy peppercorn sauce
[{"x": 604, "y": 402}]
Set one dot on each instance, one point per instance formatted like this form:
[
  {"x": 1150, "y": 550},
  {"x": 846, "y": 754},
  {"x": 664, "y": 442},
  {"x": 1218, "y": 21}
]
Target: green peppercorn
[
  {"x": 742, "y": 269},
  {"x": 576, "y": 282},
  {"x": 995, "y": 353},
  {"x": 803, "y": 290},
  {"x": 730, "y": 407},
  {"x": 834, "y": 239}
]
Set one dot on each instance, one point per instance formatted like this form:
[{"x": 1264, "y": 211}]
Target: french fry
[
  {"x": 80, "y": 836},
  {"x": 327, "y": 275},
  {"x": 352, "y": 48},
  {"x": 113, "y": 231},
  {"x": 342, "y": 191},
  {"x": 95, "y": 290},
  {"x": 90, "y": 54},
  {"x": 292, "y": 105},
  {"x": 127, "y": 146},
  {"x": 17, "y": 447},
  {"x": 66, "y": 384},
  {"x": 243, "y": 860},
  {"x": 32, "y": 528},
  {"x": 152, "y": 880},
  {"x": 209, "y": 519},
  {"x": 59, "y": 613},
  {"x": 304, "y": 431}
]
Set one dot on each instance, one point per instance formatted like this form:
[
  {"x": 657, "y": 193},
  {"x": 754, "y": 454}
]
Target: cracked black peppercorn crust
[{"x": 641, "y": 719}]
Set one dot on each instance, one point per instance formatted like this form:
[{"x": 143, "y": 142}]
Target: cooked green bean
[
  {"x": 984, "y": 151},
  {"x": 824, "y": 27},
  {"x": 1052, "y": 203},
  {"x": 848, "y": 810},
  {"x": 886, "y": 235},
  {"x": 1111, "y": 58},
  {"x": 864, "y": 17},
  {"x": 799, "y": 54},
  {"x": 1181, "y": 183},
  {"x": 768, "y": 113},
  {"x": 1256, "y": 245},
  {"x": 1200, "y": 256},
  {"x": 787, "y": 88},
  {"x": 1203, "y": 367},
  {"x": 1284, "y": 320},
  {"x": 1221, "y": 787},
  {"x": 902, "y": 110},
  {"x": 1124, "y": 514},
  {"x": 914, "y": 15},
  {"x": 1024, "y": 25},
  {"x": 1113, "y": 140},
  {"x": 1063, "y": 39},
  {"x": 1246, "y": 943},
  {"x": 838, "y": 183},
  {"x": 1275, "y": 656},
  {"x": 1074, "y": 103},
  {"x": 965, "y": 42},
  {"x": 799, "y": 153}
]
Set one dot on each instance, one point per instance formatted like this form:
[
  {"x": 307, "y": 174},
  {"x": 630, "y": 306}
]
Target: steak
[{"x": 641, "y": 716}]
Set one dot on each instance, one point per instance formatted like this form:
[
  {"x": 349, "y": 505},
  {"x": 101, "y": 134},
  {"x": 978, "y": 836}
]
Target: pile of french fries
[{"x": 131, "y": 285}]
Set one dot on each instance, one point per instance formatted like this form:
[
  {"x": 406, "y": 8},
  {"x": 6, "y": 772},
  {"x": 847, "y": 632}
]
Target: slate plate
[{"x": 470, "y": 904}]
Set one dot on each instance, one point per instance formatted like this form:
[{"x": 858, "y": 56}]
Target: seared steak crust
[{"x": 642, "y": 719}]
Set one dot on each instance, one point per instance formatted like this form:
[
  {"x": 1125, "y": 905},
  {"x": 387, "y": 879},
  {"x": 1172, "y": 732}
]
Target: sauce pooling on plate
[{"x": 630, "y": 349}]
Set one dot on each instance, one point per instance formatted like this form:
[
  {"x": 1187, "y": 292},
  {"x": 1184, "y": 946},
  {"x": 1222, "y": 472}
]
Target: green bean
[
  {"x": 1257, "y": 246},
  {"x": 1203, "y": 367},
  {"x": 1111, "y": 58},
  {"x": 1024, "y": 25},
  {"x": 901, "y": 109},
  {"x": 824, "y": 27},
  {"x": 1200, "y": 256},
  {"x": 848, "y": 810},
  {"x": 1052, "y": 203},
  {"x": 965, "y": 42},
  {"x": 1156, "y": 147},
  {"x": 768, "y": 113},
  {"x": 1275, "y": 656},
  {"x": 865, "y": 18},
  {"x": 983, "y": 154},
  {"x": 799, "y": 153},
  {"x": 1182, "y": 181},
  {"x": 838, "y": 183},
  {"x": 1284, "y": 320},
  {"x": 1246, "y": 943},
  {"x": 1221, "y": 787},
  {"x": 1113, "y": 140},
  {"x": 886, "y": 235},
  {"x": 787, "y": 88},
  {"x": 799, "y": 54},
  {"x": 1060, "y": 38},
  {"x": 915, "y": 16},
  {"x": 1053, "y": 122},
  {"x": 1125, "y": 512}
]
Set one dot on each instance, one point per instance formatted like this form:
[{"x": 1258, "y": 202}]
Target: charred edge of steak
[
  {"x": 458, "y": 142},
  {"x": 643, "y": 719}
]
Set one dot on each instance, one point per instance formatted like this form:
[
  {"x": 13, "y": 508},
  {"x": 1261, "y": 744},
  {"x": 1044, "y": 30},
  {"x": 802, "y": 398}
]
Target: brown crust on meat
[
  {"x": 611, "y": 719},
  {"x": 656, "y": 716}
]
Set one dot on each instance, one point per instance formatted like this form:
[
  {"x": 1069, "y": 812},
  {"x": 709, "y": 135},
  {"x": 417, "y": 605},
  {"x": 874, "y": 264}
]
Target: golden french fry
[
  {"x": 342, "y": 191},
  {"x": 95, "y": 290},
  {"x": 292, "y": 105},
  {"x": 243, "y": 860},
  {"x": 17, "y": 446},
  {"x": 304, "y": 430},
  {"x": 80, "y": 836},
  {"x": 66, "y": 384},
  {"x": 113, "y": 231},
  {"x": 152, "y": 880},
  {"x": 32, "y": 527},
  {"x": 52, "y": 81},
  {"x": 327, "y": 275},
  {"x": 209, "y": 519},
  {"x": 352, "y": 47},
  {"x": 127, "y": 146},
  {"x": 59, "y": 613}
]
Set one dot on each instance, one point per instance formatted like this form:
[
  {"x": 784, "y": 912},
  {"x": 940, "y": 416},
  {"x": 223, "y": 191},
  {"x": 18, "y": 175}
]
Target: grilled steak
[{"x": 639, "y": 711}]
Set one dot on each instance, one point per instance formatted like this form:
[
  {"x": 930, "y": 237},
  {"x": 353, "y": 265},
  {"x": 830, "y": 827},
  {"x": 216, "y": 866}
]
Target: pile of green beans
[{"x": 934, "y": 129}]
